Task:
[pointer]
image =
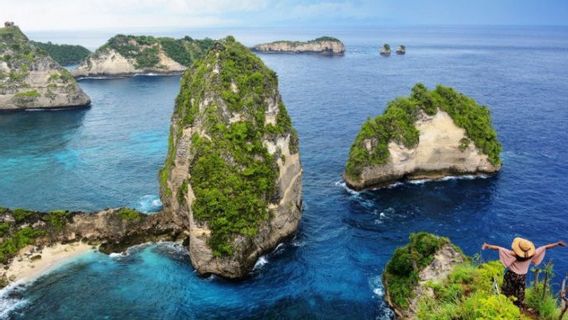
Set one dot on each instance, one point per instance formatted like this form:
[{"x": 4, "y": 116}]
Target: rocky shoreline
[{"x": 24, "y": 233}]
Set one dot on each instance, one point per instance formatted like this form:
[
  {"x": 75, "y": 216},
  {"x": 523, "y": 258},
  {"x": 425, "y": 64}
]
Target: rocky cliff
[
  {"x": 129, "y": 55},
  {"x": 232, "y": 177},
  {"x": 425, "y": 259},
  {"x": 31, "y": 79},
  {"x": 112, "y": 230},
  {"x": 429, "y": 135},
  {"x": 322, "y": 45}
]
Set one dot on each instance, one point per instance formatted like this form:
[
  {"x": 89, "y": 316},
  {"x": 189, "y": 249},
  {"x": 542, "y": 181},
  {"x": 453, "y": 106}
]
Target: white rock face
[
  {"x": 111, "y": 63},
  {"x": 323, "y": 47},
  {"x": 439, "y": 153}
]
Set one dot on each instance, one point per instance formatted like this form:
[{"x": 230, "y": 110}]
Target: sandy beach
[{"x": 28, "y": 266}]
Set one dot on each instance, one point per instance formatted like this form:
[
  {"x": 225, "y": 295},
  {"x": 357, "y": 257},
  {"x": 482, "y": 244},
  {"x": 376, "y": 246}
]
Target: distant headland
[{"x": 323, "y": 45}]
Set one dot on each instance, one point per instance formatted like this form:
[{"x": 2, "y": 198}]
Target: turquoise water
[{"x": 108, "y": 156}]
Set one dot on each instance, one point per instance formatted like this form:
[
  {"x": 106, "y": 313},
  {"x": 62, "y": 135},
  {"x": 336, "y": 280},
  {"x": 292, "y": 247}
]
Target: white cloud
[{"x": 89, "y": 14}]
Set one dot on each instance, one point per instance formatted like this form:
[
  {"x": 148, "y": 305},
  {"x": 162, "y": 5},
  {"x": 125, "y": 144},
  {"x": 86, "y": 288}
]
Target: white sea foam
[
  {"x": 261, "y": 262},
  {"x": 279, "y": 249},
  {"x": 376, "y": 286},
  {"x": 149, "y": 203},
  {"x": 343, "y": 185},
  {"x": 129, "y": 251},
  {"x": 9, "y": 301},
  {"x": 114, "y": 255},
  {"x": 100, "y": 77}
]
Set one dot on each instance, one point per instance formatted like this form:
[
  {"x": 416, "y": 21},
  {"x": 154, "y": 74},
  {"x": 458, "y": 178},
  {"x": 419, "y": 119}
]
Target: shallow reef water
[{"x": 109, "y": 156}]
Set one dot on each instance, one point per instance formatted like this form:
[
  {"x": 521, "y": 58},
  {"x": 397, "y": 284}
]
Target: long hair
[{"x": 522, "y": 259}]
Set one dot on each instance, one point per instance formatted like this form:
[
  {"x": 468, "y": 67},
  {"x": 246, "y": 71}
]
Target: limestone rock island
[
  {"x": 232, "y": 177},
  {"x": 31, "y": 79},
  {"x": 322, "y": 45},
  {"x": 429, "y": 135},
  {"x": 127, "y": 55},
  {"x": 385, "y": 51}
]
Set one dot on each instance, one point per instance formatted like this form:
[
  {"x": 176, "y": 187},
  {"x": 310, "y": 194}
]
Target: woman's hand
[
  {"x": 485, "y": 246},
  {"x": 561, "y": 243}
]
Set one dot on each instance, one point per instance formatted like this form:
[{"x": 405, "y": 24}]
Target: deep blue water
[{"x": 108, "y": 156}]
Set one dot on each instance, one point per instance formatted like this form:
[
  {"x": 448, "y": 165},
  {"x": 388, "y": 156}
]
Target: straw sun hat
[{"x": 523, "y": 248}]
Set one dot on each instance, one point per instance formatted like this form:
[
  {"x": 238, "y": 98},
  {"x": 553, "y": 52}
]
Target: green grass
[
  {"x": 129, "y": 214},
  {"x": 233, "y": 176},
  {"x": 397, "y": 124},
  {"x": 32, "y": 94}
]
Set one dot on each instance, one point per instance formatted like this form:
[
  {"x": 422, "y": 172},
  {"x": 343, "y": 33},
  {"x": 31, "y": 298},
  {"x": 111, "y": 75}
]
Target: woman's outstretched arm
[
  {"x": 490, "y": 246},
  {"x": 555, "y": 244}
]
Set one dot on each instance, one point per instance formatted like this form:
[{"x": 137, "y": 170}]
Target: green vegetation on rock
[
  {"x": 16, "y": 241},
  {"x": 129, "y": 214},
  {"x": 145, "y": 49},
  {"x": 402, "y": 271},
  {"x": 396, "y": 124},
  {"x": 64, "y": 54},
  {"x": 16, "y": 51},
  {"x": 233, "y": 176}
]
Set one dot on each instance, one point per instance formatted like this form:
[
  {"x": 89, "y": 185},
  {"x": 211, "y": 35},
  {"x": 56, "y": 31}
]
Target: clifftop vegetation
[
  {"x": 145, "y": 49},
  {"x": 64, "y": 54},
  {"x": 397, "y": 124},
  {"x": 233, "y": 176}
]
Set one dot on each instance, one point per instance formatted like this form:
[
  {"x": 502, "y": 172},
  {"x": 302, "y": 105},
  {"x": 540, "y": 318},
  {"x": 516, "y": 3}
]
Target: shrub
[
  {"x": 21, "y": 214},
  {"x": 21, "y": 238},
  {"x": 56, "y": 219},
  {"x": 129, "y": 214},
  {"x": 4, "y": 228},
  {"x": 64, "y": 54}
]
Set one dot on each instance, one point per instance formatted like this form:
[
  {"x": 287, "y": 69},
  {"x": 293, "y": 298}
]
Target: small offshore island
[
  {"x": 429, "y": 135},
  {"x": 231, "y": 184},
  {"x": 31, "y": 79},
  {"x": 431, "y": 278},
  {"x": 128, "y": 55},
  {"x": 323, "y": 45}
]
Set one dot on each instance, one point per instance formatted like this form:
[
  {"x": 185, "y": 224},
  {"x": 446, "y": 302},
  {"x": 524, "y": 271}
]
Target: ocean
[{"x": 109, "y": 156}]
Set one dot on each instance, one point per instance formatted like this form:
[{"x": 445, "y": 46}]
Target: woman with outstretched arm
[{"x": 517, "y": 261}]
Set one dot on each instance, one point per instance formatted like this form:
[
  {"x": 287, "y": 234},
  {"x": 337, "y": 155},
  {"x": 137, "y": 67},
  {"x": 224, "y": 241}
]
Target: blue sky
[{"x": 111, "y": 14}]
